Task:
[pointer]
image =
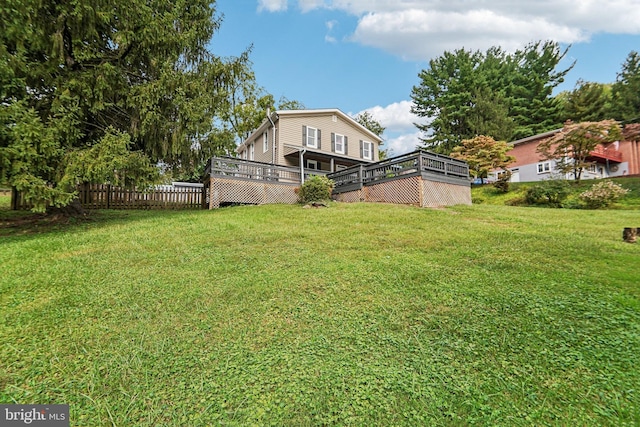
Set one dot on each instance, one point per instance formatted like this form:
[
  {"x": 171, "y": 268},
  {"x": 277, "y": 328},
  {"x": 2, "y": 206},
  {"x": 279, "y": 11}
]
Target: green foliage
[
  {"x": 75, "y": 73},
  {"x": 517, "y": 191},
  {"x": 502, "y": 184},
  {"x": 550, "y": 193},
  {"x": 572, "y": 146},
  {"x": 603, "y": 194},
  {"x": 367, "y": 120},
  {"x": 316, "y": 188},
  {"x": 626, "y": 89},
  {"x": 483, "y": 154},
  {"x": 587, "y": 102},
  {"x": 465, "y": 94}
]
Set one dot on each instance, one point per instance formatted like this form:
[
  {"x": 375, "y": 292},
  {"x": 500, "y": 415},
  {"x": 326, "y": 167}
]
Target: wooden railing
[
  {"x": 412, "y": 164},
  {"x": 419, "y": 162},
  {"x": 608, "y": 153},
  {"x": 246, "y": 169},
  {"x": 105, "y": 196}
]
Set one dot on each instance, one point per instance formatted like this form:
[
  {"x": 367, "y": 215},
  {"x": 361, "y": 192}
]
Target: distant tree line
[{"x": 508, "y": 96}]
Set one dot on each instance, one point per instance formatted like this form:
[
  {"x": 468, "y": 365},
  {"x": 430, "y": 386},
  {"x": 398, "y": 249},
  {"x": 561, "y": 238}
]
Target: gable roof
[
  {"x": 535, "y": 137},
  {"x": 327, "y": 111},
  {"x": 317, "y": 112}
]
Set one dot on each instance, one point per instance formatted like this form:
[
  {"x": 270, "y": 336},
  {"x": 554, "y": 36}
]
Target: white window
[
  {"x": 313, "y": 164},
  {"x": 243, "y": 155},
  {"x": 367, "y": 150},
  {"x": 265, "y": 142},
  {"x": 312, "y": 137},
  {"x": 339, "y": 144},
  {"x": 251, "y": 151},
  {"x": 544, "y": 167}
]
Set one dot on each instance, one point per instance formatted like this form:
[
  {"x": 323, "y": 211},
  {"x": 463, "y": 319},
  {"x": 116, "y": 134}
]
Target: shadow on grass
[{"x": 26, "y": 223}]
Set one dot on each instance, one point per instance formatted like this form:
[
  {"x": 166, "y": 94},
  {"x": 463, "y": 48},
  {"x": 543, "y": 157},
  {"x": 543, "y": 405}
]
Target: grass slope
[
  {"x": 487, "y": 194},
  {"x": 360, "y": 314}
]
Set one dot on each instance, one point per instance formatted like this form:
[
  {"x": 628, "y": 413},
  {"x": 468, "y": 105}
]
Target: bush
[
  {"x": 603, "y": 194},
  {"x": 316, "y": 189},
  {"x": 502, "y": 184},
  {"x": 548, "y": 193}
]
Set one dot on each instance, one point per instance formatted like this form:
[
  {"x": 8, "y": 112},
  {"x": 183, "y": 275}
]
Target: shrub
[
  {"x": 502, "y": 184},
  {"x": 316, "y": 189},
  {"x": 603, "y": 194},
  {"x": 549, "y": 193}
]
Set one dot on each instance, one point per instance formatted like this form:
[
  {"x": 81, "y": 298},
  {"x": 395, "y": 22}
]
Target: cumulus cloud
[
  {"x": 421, "y": 29},
  {"x": 272, "y": 5},
  {"x": 401, "y": 135},
  {"x": 396, "y": 117}
]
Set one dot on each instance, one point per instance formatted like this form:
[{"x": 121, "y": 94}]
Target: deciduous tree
[
  {"x": 572, "y": 146},
  {"x": 483, "y": 154}
]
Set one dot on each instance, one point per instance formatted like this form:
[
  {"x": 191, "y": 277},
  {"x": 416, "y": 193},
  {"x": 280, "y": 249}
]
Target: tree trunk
[
  {"x": 629, "y": 235},
  {"x": 73, "y": 209}
]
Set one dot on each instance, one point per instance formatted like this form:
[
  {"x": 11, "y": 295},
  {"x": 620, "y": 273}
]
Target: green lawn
[
  {"x": 358, "y": 314},
  {"x": 487, "y": 194}
]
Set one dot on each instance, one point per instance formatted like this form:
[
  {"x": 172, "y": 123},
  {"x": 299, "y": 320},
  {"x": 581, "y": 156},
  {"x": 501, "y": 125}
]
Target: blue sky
[{"x": 365, "y": 55}]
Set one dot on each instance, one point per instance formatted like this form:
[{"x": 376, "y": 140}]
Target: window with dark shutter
[
  {"x": 304, "y": 136},
  {"x": 346, "y": 146},
  {"x": 333, "y": 142}
]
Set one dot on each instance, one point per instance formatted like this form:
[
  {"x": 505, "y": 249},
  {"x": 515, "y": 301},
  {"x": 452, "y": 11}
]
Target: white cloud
[
  {"x": 272, "y": 5},
  {"x": 401, "y": 135},
  {"x": 420, "y": 35},
  {"x": 330, "y": 26},
  {"x": 396, "y": 117},
  {"x": 402, "y": 144},
  {"x": 421, "y": 29}
]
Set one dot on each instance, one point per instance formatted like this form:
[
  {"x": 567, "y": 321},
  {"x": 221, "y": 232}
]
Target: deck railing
[
  {"x": 412, "y": 164},
  {"x": 419, "y": 162},
  {"x": 246, "y": 169}
]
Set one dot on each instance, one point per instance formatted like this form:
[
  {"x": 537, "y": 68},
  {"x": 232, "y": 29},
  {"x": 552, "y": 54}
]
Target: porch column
[
  {"x": 301, "y": 166},
  {"x": 332, "y": 168}
]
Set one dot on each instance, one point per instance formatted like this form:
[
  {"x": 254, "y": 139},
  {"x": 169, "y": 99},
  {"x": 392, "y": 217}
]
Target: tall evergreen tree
[
  {"x": 532, "y": 108},
  {"x": 587, "y": 102},
  {"x": 626, "y": 90},
  {"x": 132, "y": 82},
  {"x": 506, "y": 96}
]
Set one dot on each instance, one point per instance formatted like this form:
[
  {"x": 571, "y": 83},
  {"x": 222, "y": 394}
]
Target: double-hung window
[
  {"x": 366, "y": 150},
  {"x": 312, "y": 137},
  {"x": 339, "y": 142},
  {"x": 265, "y": 142},
  {"x": 251, "y": 151}
]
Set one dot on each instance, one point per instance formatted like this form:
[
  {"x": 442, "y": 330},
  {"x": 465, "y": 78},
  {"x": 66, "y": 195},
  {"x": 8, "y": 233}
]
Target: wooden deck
[{"x": 420, "y": 178}]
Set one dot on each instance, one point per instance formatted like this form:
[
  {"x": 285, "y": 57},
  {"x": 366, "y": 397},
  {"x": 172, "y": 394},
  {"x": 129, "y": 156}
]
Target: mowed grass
[{"x": 357, "y": 314}]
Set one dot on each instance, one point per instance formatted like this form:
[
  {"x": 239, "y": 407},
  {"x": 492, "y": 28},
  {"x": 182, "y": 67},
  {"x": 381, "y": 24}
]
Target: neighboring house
[
  {"x": 617, "y": 159},
  {"x": 325, "y": 140}
]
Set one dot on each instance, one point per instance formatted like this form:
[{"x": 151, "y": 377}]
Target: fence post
[
  {"x": 14, "y": 198},
  {"x": 108, "y": 196}
]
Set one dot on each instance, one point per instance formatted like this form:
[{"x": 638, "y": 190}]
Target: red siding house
[{"x": 617, "y": 159}]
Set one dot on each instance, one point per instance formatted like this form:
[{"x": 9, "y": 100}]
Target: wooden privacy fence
[{"x": 105, "y": 196}]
